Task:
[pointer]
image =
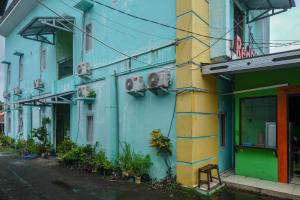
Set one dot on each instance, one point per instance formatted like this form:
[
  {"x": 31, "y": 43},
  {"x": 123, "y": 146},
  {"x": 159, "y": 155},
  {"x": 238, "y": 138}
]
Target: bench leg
[
  {"x": 219, "y": 176},
  {"x": 208, "y": 181}
]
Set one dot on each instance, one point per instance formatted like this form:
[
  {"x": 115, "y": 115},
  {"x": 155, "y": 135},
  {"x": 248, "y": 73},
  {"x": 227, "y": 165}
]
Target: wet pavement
[{"x": 42, "y": 179}]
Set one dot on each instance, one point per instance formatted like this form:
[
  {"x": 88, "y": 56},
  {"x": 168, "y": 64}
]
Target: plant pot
[{"x": 137, "y": 179}]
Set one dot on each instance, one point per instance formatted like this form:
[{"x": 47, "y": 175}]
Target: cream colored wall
[{"x": 196, "y": 118}]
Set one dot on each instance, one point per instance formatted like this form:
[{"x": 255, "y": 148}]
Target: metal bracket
[{"x": 265, "y": 14}]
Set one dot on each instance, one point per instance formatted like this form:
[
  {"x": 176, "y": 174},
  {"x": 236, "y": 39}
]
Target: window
[
  {"x": 88, "y": 38},
  {"x": 65, "y": 68},
  {"x": 8, "y": 122},
  {"x": 43, "y": 61},
  {"x": 21, "y": 68},
  {"x": 20, "y": 122},
  {"x": 223, "y": 129},
  {"x": 90, "y": 107},
  {"x": 258, "y": 122},
  {"x": 90, "y": 129},
  {"x": 8, "y": 75},
  {"x": 239, "y": 18}
]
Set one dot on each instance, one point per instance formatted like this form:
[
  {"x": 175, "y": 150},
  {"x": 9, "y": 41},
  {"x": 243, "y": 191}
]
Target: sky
[{"x": 286, "y": 26}]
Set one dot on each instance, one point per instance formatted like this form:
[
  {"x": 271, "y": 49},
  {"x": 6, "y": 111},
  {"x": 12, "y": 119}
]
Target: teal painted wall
[
  {"x": 136, "y": 117},
  {"x": 226, "y": 102},
  {"x": 252, "y": 162}
]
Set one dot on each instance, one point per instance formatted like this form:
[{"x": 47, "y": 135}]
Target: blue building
[{"x": 108, "y": 77}]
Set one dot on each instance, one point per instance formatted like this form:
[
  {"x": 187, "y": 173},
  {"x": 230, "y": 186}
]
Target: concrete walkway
[{"x": 275, "y": 189}]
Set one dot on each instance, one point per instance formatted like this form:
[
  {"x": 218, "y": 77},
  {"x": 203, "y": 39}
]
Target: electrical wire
[
  {"x": 170, "y": 26},
  {"x": 218, "y": 40},
  {"x": 120, "y": 24},
  {"x": 93, "y": 37}
]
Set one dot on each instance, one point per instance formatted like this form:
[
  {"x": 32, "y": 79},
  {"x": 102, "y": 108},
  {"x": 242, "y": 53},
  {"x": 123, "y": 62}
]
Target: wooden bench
[{"x": 209, "y": 177}]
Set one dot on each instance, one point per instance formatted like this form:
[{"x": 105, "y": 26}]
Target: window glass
[
  {"x": 90, "y": 129},
  {"x": 20, "y": 123},
  {"x": 258, "y": 122},
  {"x": 8, "y": 122},
  {"x": 88, "y": 38}
]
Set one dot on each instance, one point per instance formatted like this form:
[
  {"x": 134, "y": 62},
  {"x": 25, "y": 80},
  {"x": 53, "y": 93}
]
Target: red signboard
[{"x": 240, "y": 51}]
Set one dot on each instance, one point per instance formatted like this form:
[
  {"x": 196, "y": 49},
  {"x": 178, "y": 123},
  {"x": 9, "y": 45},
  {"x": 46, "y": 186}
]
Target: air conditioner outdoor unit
[
  {"x": 6, "y": 95},
  {"x": 38, "y": 84},
  {"x": 135, "y": 86},
  {"x": 84, "y": 69},
  {"x": 83, "y": 91},
  {"x": 159, "y": 81},
  {"x": 17, "y": 91}
]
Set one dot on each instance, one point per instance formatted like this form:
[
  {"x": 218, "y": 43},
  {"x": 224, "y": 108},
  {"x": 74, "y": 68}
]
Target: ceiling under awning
[
  {"x": 267, "y": 8},
  {"x": 266, "y": 62},
  {"x": 43, "y": 29},
  {"x": 48, "y": 100}
]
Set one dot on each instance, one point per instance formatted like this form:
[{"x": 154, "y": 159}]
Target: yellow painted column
[{"x": 196, "y": 112}]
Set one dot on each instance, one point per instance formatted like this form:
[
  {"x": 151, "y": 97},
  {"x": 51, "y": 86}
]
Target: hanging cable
[{"x": 169, "y": 26}]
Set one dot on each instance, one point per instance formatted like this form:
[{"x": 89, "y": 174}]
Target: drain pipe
[{"x": 117, "y": 111}]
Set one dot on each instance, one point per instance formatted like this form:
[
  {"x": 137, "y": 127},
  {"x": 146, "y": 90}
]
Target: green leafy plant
[
  {"x": 6, "y": 141},
  {"x": 41, "y": 136},
  {"x": 133, "y": 164},
  {"x": 161, "y": 143},
  {"x": 125, "y": 160},
  {"x": 163, "y": 146},
  {"x": 74, "y": 157},
  {"x": 66, "y": 146},
  {"x": 141, "y": 164},
  {"x": 92, "y": 94}
]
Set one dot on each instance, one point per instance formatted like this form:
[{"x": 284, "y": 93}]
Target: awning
[
  {"x": 268, "y": 8},
  {"x": 43, "y": 29},
  {"x": 49, "y": 99},
  {"x": 268, "y": 4},
  {"x": 265, "y": 62}
]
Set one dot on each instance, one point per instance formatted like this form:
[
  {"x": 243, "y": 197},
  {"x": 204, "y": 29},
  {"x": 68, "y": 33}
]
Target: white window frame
[
  {"x": 21, "y": 67},
  {"x": 20, "y": 121},
  {"x": 90, "y": 130},
  {"x": 43, "y": 57}
]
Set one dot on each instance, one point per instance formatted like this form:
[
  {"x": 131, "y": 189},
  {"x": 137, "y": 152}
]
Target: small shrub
[
  {"x": 66, "y": 146},
  {"x": 98, "y": 161},
  {"x": 163, "y": 146},
  {"x": 41, "y": 135},
  {"x": 133, "y": 164},
  {"x": 141, "y": 164},
  {"x": 161, "y": 143},
  {"x": 6, "y": 141},
  {"x": 125, "y": 160},
  {"x": 74, "y": 157}
]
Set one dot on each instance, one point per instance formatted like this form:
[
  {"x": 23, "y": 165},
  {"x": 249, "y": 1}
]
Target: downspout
[{"x": 117, "y": 112}]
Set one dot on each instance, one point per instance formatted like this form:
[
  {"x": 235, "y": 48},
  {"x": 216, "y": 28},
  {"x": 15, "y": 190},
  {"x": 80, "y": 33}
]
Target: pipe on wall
[{"x": 117, "y": 112}]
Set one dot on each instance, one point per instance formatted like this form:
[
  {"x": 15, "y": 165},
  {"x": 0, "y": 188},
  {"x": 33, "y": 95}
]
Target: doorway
[
  {"x": 62, "y": 122},
  {"x": 294, "y": 138}
]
